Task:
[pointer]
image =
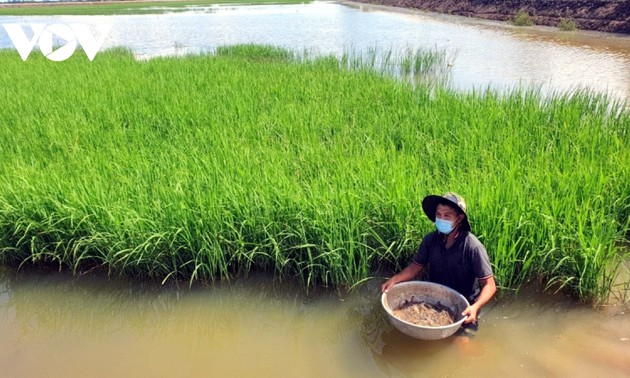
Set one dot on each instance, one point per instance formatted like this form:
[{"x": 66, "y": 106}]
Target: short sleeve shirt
[{"x": 459, "y": 267}]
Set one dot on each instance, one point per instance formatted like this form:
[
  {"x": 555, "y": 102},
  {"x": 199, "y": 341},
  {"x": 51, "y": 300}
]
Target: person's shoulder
[{"x": 473, "y": 241}]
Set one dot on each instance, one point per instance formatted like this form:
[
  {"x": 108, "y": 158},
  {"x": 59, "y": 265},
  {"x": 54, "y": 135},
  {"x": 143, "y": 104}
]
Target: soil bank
[{"x": 611, "y": 16}]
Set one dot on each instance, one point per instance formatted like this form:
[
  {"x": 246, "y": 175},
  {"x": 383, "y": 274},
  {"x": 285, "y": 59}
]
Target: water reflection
[
  {"x": 53, "y": 303},
  {"x": 525, "y": 335},
  {"x": 216, "y": 326},
  {"x": 112, "y": 327}
]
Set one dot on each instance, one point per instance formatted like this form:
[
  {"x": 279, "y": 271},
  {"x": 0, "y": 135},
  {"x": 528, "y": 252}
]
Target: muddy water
[{"x": 54, "y": 325}]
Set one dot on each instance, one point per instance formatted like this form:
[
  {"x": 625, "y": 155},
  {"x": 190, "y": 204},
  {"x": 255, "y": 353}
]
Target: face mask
[{"x": 444, "y": 226}]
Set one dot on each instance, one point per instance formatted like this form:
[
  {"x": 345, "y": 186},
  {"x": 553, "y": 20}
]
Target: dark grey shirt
[{"x": 458, "y": 267}]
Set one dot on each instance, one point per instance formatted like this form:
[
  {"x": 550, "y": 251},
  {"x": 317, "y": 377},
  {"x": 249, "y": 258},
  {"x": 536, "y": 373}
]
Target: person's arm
[
  {"x": 409, "y": 273},
  {"x": 487, "y": 291}
]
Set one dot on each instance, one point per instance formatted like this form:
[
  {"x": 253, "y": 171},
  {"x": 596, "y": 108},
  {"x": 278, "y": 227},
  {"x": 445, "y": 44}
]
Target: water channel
[
  {"x": 482, "y": 53},
  {"x": 56, "y": 325}
]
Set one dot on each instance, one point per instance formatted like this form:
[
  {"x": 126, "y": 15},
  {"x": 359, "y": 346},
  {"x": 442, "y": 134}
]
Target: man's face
[{"x": 448, "y": 213}]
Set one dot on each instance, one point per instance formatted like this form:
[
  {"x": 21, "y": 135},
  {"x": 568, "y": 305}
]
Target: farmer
[{"x": 454, "y": 256}]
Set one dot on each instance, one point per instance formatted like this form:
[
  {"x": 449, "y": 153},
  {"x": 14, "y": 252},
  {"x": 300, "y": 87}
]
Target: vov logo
[{"x": 65, "y": 36}]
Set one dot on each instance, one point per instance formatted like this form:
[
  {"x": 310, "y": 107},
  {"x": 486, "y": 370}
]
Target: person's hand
[
  {"x": 471, "y": 311},
  {"x": 389, "y": 283},
  {"x": 407, "y": 274}
]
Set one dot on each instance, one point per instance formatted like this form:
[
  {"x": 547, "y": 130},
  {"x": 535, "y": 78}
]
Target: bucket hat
[{"x": 431, "y": 202}]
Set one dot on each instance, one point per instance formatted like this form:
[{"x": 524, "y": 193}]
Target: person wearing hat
[{"x": 454, "y": 256}]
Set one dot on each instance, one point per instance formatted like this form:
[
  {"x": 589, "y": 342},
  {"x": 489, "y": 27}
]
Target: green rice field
[{"x": 251, "y": 159}]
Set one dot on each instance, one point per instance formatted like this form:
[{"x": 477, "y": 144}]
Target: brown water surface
[{"x": 54, "y": 325}]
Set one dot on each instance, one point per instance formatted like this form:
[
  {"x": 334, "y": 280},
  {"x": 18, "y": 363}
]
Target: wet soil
[
  {"x": 611, "y": 16},
  {"x": 424, "y": 314}
]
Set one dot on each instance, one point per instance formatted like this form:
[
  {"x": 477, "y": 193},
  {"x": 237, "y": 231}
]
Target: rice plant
[{"x": 205, "y": 167}]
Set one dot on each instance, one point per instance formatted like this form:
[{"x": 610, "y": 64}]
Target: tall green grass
[{"x": 204, "y": 167}]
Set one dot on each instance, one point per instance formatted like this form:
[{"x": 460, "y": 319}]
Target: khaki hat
[{"x": 431, "y": 202}]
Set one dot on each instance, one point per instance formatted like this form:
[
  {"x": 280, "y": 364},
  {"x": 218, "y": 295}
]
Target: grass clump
[
  {"x": 205, "y": 167},
  {"x": 523, "y": 18},
  {"x": 256, "y": 52},
  {"x": 567, "y": 25}
]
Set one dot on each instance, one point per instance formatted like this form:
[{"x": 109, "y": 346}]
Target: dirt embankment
[{"x": 611, "y": 16}]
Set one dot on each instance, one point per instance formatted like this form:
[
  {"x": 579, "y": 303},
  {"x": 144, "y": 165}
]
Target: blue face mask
[{"x": 444, "y": 226}]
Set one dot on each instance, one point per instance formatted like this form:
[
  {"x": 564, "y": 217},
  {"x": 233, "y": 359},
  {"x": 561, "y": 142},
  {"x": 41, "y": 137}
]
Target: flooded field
[
  {"x": 55, "y": 325},
  {"x": 482, "y": 53}
]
